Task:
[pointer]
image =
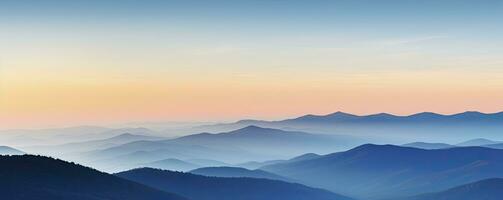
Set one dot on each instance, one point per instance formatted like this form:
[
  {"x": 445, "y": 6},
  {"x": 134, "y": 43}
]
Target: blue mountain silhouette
[
  {"x": 386, "y": 170},
  {"x": 30, "y": 177},
  {"x": 217, "y": 188},
  {"x": 488, "y": 189}
]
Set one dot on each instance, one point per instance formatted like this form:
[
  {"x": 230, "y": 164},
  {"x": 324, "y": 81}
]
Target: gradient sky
[{"x": 76, "y": 62}]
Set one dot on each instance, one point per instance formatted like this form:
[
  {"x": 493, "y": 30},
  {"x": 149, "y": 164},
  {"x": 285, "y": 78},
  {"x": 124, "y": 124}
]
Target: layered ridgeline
[
  {"x": 268, "y": 141},
  {"x": 249, "y": 143},
  {"x": 199, "y": 187},
  {"x": 382, "y": 171},
  {"x": 428, "y": 145},
  {"x": 69, "y": 149},
  {"x": 488, "y": 189},
  {"x": 385, "y": 127},
  {"x": 29, "y": 177},
  {"x": 38, "y": 137},
  {"x": 478, "y": 142},
  {"x": 172, "y": 164},
  {"x": 237, "y": 172}
]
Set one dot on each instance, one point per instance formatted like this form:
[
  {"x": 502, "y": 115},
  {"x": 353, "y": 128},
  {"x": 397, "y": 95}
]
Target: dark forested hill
[
  {"x": 218, "y": 188},
  {"x": 237, "y": 172},
  {"x": 30, "y": 177}
]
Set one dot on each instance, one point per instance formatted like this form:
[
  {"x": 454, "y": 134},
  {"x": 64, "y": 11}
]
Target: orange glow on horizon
[{"x": 52, "y": 101}]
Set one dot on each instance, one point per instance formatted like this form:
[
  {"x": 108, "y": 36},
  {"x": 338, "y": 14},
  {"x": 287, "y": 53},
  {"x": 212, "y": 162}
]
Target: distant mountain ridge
[
  {"x": 73, "y": 147},
  {"x": 427, "y": 145},
  {"x": 384, "y": 117},
  {"x": 237, "y": 146},
  {"x": 384, "y": 127},
  {"x": 478, "y": 142},
  {"x": 267, "y": 140}
]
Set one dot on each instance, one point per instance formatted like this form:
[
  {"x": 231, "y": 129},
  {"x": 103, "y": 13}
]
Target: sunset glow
[{"x": 72, "y": 64}]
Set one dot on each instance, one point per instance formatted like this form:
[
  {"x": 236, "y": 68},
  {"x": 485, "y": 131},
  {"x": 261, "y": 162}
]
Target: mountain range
[
  {"x": 428, "y": 145},
  {"x": 479, "y": 142},
  {"x": 383, "y": 171},
  {"x": 268, "y": 141},
  {"x": 75, "y": 147},
  {"x": 238, "y": 146},
  {"x": 488, "y": 189},
  {"x": 30, "y": 177},
  {"x": 384, "y": 127},
  {"x": 199, "y": 187},
  {"x": 342, "y": 117}
]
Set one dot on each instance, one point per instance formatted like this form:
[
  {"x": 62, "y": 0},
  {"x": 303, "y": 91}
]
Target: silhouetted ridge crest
[
  {"x": 29, "y": 177},
  {"x": 219, "y": 188}
]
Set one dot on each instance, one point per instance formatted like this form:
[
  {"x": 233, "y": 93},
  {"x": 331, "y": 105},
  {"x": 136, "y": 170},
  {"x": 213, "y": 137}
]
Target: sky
[{"x": 65, "y": 63}]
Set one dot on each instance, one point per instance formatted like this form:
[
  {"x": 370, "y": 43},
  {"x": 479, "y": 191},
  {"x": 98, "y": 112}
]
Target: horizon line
[{"x": 243, "y": 120}]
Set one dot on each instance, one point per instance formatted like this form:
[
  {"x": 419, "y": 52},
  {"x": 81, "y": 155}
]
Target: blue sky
[{"x": 320, "y": 55}]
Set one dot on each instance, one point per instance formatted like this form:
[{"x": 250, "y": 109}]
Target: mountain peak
[
  {"x": 125, "y": 135},
  {"x": 333, "y": 116},
  {"x": 252, "y": 128},
  {"x": 378, "y": 147},
  {"x": 341, "y": 114}
]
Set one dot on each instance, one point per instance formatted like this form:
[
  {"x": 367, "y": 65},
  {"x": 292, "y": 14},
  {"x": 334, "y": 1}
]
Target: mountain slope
[
  {"x": 207, "y": 162},
  {"x": 307, "y": 156},
  {"x": 255, "y": 165},
  {"x": 385, "y": 127},
  {"x": 132, "y": 155},
  {"x": 268, "y": 141},
  {"x": 69, "y": 148},
  {"x": 494, "y": 146},
  {"x": 478, "y": 142},
  {"x": 242, "y": 145},
  {"x": 35, "y": 177},
  {"x": 172, "y": 164},
  {"x": 340, "y": 117},
  {"x": 5, "y": 150},
  {"x": 217, "y": 188},
  {"x": 489, "y": 189},
  {"x": 372, "y": 171},
  {"x": 426, "y": 145},
  {"x": 237, "y": 172}
]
